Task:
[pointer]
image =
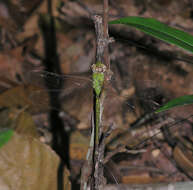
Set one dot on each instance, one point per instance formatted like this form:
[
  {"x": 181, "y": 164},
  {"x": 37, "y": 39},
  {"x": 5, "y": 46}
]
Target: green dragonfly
[
  {"x": 76, "y": 94},
  {"x": 76, "y": 98},
  {"x": 122, "y": 106}
]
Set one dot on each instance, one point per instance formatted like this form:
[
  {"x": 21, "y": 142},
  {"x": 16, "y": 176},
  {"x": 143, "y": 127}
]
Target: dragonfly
[
  {"x": 134, "y": 133},
  {"x": 80, "y": 87},
  {"x": 76, "y": 98}
]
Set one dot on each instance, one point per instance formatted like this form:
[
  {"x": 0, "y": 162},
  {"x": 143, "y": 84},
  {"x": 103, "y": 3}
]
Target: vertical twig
[
  {"x": 86, "y": 170},
  {"x": 100, "y": 73},
  {"x": 106, "y": 33},
  {"x": 109, "y": 40},
  {"x": 98, "y": 81}
]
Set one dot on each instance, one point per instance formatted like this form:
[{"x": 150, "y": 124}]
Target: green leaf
[
  {"x": 5, "y": 136},
  {"x": 181, "y": 101},
  {"x": 159, "y": 30}
]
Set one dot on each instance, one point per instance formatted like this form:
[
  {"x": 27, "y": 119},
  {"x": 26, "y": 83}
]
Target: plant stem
[
  {"x": 100, "y": 74},
  {"x": 106, "y": 33},
  {"x": 99, "y": 70}
]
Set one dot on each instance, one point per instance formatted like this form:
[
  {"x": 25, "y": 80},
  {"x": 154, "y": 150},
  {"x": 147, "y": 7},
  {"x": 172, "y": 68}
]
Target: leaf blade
[
  {"x": 180, "y": 101},
  {"x": 5, "y": 136},
  {"x": 159, "y": 30}
]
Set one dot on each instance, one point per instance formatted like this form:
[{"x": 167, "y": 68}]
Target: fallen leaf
[
  {"x": 25, "y": 125},
  {"x": 19, "y": 120},
  {"x": 78, "y": 146},
  {"x": 27, "y": 164},
  {"x": 32, "y": 98}
]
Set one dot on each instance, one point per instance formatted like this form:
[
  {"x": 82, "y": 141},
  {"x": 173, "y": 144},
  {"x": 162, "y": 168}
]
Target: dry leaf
[
  {"x": 11, "y": 62},
  {"x": 19, "y": 120},
  {"x": 27, "y": 164},
  {"x": 25, "y": 125},
  {"x": 78, "y": 146},
  {"x": 26, "y": 96}
]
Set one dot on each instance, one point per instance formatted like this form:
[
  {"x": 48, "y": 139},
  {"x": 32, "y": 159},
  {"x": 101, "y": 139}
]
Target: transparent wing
[
  {"x": 69, "y": 84},
  {"x": 74, "y": 92},
  {"x": 134, "y": 104}
]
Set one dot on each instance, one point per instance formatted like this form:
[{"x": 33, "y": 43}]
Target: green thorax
[{"x": 98, "y": 77}]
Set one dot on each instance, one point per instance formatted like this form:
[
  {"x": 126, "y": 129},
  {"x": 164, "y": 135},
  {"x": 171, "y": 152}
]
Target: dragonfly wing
[
  {"x": 74, "y": 91},
  {"x": 121, "y": 106}
]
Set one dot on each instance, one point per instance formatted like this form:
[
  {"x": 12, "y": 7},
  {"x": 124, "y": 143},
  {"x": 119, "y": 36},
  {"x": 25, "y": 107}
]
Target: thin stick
[
  {"x": 100, "y": 69},
  {"x": 105, "y": 17},
  {"x": 86, "y": 171},
  {"x": 106, "y": 33}
]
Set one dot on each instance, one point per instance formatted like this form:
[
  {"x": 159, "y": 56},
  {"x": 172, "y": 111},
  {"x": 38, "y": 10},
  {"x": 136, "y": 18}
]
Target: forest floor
[{"x": 45, "y": 67}]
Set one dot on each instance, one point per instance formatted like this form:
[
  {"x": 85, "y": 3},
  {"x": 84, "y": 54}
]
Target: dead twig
[{"x": 102, "y": 56}]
